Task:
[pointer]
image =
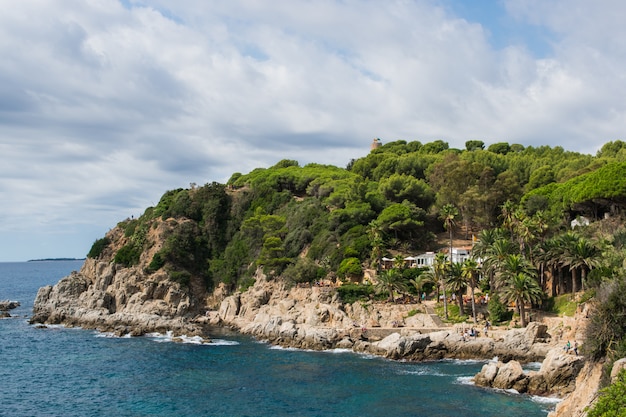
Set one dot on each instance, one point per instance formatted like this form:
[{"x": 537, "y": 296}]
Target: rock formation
[
  {"x": 557, "y": 376},
  {"x": 7, "y": 305},
  {"x": 111, "y": 298}
]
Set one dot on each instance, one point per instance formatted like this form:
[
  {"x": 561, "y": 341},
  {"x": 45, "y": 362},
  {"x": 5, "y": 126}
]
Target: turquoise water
[{"x": 74, "y": 372}]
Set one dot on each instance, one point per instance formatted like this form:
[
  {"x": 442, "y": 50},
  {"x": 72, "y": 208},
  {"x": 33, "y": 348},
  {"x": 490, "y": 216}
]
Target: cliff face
[{"x": 110, "y": 297}]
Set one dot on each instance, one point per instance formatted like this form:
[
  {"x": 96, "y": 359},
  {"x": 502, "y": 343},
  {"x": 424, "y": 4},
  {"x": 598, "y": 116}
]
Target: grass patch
[
  {"x": 453, "y": 313},
  {"x": 564, "y": 306}
]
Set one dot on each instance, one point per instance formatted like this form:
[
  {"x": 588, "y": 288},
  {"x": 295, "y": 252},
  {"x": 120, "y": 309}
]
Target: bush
[
  {"x": 350, "y": 267},
  {"x": 349, "y": 293},
  {"x": 128, "y": 255},
  {"x": 98, "y": 247},
  {"x": 182, "y": 277},
  {"x": 304, "y": 270},
  {"x": 606, "y": 331},
  {"x": 158, "y": 260},
  {"x": 498, "y": 312},
  {"x": 612, "y": 399},
  {"x": 563, "y": 306}
]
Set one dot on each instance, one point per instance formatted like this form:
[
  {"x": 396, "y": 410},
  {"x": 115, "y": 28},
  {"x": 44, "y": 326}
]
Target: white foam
[
  {"x": 546, "y": 400},
  {"x": 338, "y": 350},
  {"x": 532, "y": 366},
  {"x": 425, "y": 371},
  {"x": 465, "y": 380},
  {"x": 289, "y": 348},
  {"x": 466, "y": 361},
  {"x": 108, "y": 335},
  {"x": 222, "y": 342}
]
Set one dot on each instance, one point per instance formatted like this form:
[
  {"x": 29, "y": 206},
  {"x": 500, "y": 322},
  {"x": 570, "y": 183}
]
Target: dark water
[{"x": 73, "y": 372}]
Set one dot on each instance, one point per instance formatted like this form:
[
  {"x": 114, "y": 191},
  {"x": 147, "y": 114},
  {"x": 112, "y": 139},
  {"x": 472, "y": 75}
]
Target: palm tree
[
  {"x": 390, "y": 280},
  {"x": 457, "y": 284},
  {"x": 492, "y": 263},
  {"x": 471, "y": 272},
  {"x": 582, "y": 255},
  {"x": 448, "y": 214},
  {"x": 512, "y": 266},
  {"x": 419, "y": 282},
  {"x": 521, "y": 288},
  {"x": 568, "y": 242},
  {"x": 437, "y": 274}
]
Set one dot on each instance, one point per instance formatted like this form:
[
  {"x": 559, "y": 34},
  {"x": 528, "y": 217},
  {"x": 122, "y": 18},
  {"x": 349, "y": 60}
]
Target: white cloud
[{"x": 104, "y": 107}]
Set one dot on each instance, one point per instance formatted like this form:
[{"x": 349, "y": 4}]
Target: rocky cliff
[{"x": 110, "y": 297}]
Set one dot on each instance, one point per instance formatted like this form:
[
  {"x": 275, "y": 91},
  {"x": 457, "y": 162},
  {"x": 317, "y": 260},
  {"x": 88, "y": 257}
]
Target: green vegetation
[
  {"x": 350, "y": 293},
  {"x": 612, "y": 399},
  {"x": 317, "y": 222},
  {"x": 98, "y": 246},
  {"x": 564, "y": 305}
]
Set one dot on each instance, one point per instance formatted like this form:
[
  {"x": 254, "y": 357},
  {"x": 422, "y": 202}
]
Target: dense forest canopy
[{"x": 384, "y": 203}]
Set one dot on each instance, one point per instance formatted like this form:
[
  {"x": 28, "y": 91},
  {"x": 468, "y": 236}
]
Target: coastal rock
[
  {"x": 618, "y": 366},
  {"x": 112, "y": 298},
  {"x": 559, "y": 370},
  {"x": 557, "y": 375},
  {"x": 7, "y": 305},
  {"x": 510, "y": 376},
  {"x": 587, "y": 384}
]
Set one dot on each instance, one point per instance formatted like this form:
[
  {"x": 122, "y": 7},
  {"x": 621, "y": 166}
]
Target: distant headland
[{"x": 55, "y": 259}]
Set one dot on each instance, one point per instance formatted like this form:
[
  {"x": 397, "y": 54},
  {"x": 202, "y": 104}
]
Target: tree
[
  {"x": 440, "y": 268},
  {"x": 473, "y": 145},
  {"x": 420, "y": 281},
  {"x": 398, "y": 188},
  {"x": 390, "y": 280},
  {"x": 471, "y": 271},
  {"x": 457, "y": 282},
  {"x": 581, "y": 255},
  {"x": 521, "y": 288}
]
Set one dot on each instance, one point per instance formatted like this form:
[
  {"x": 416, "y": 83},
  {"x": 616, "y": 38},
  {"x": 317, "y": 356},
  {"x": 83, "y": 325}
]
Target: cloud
[{"x": 104, "y": 105}]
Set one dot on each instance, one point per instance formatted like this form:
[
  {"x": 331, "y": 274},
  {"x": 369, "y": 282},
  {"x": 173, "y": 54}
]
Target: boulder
[
  {"x": 509, "y": 376},
  {"x": 7, "y": 305},
  {"x": 618, "y": 366},
  {"x": 559, "y": 370}
]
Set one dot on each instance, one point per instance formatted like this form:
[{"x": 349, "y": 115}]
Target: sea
[{"x": 58, "y": 371}]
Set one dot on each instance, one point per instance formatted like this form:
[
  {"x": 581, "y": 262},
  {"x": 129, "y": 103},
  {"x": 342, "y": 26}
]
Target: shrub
[
  {"x": 612, "y": 399},
  {"x": 350, "y": 267},
  {"x": 349, "y": 293},
  {"x": 304, "y": 270},
  {"x": 98, "y": 247},
  {"x": 606, "y": 331},
  {"x": 127, "y": 255},
  {"x": 498, "y": 312},
  {"x": 182, "y": 277},
  {"x": 158, "y": 260}
]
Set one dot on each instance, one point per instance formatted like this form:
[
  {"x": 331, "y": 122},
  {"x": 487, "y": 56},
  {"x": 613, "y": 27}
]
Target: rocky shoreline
[{"x": 123, "y": 301}]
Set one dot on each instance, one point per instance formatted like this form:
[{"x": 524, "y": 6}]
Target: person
[
  {"x": 567, "y": 347},
  {"x": 575, "y": 348}
]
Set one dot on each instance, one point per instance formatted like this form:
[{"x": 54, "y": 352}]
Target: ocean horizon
[{"x": 58, "y": 371}]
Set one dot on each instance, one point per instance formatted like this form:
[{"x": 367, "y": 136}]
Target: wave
[
  {"x": 465, "y": 380},
  {"x": 546, "y": 400},
  {"x": 111, "y": 335}
]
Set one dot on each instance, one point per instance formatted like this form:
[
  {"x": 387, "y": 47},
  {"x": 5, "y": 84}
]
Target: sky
[{"x": 107, "y": 104}]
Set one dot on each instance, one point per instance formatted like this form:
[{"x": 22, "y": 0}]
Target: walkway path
[{"x": 436, "y": 319}]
